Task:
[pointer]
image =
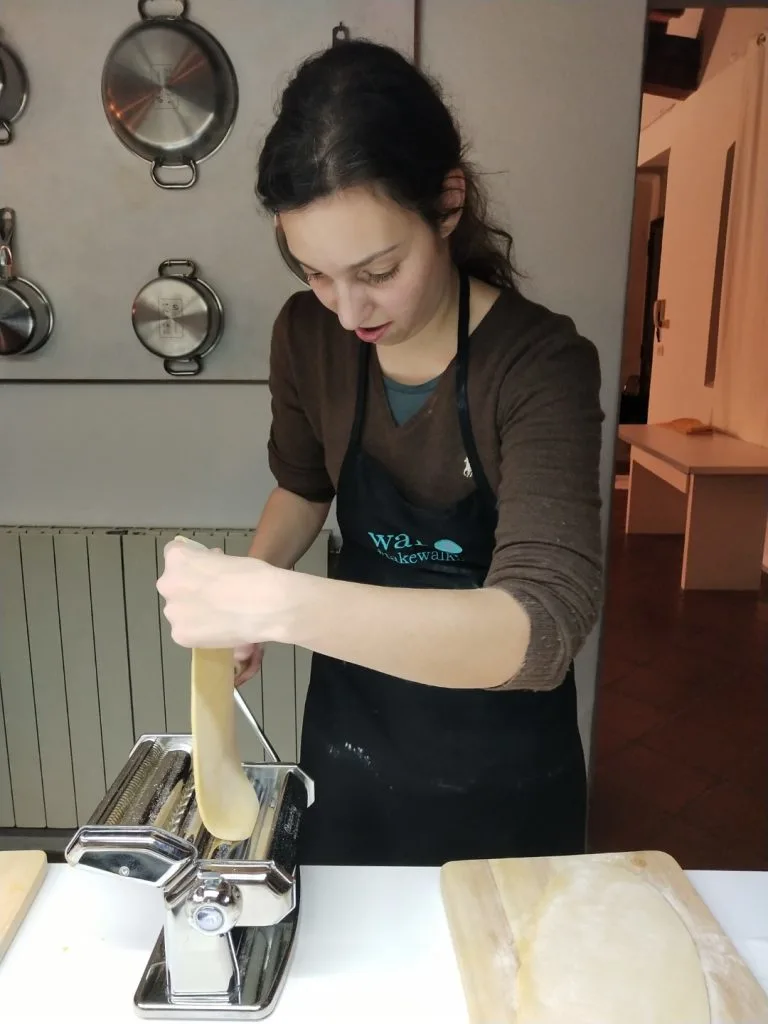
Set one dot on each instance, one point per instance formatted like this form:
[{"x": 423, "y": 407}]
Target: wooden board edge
[
  {"x": 482, "y": 1005},
  {"x": 29, "y": 898},
  {"x": 736, "y": 994}
]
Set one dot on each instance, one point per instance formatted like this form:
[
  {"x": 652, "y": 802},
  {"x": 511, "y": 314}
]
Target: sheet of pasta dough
[
  {"x": 226, "y": 800},
  {"x": 602, "y": 947}
]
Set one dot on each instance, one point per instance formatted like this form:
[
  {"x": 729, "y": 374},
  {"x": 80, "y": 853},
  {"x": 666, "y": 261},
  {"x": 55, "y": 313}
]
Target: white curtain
[{"x": 741, "y": 379}]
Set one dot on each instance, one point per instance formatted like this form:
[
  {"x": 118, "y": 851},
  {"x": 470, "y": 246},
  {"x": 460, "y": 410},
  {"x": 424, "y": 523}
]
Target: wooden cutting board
[
  {"x": 617, "y": 938},
  {"x": 21, "y": 875}
]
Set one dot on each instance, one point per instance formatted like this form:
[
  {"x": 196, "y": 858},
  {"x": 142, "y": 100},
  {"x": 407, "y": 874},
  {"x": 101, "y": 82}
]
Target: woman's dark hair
[{"x": 360, "y": 113}]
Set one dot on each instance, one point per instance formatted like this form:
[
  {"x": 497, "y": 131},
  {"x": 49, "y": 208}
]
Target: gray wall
[{"x": 550, "y": 95}]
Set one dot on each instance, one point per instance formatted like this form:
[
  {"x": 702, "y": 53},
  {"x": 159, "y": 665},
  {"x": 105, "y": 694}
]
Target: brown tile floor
[{"x": 680, "y": 739}]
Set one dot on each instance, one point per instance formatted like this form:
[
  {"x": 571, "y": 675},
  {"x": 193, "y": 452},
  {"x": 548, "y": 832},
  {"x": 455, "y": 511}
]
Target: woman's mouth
[{"x": 373, "y": 334}]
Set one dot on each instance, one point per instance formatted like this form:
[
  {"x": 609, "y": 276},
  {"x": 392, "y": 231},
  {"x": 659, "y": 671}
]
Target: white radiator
[{"x": 87, "y": 665}]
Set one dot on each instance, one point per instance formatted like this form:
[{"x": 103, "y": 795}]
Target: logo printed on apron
[{"x": 405, "y": 550}]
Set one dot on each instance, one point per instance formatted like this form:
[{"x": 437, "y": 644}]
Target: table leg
[
  {"x": 725, "y": 533},
  {"x": 653, "y": 504}
]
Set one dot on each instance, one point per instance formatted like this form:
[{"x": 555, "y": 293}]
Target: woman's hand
[
  {"x": 248, "y": 659},
  {"x": 218, "y": 600}
]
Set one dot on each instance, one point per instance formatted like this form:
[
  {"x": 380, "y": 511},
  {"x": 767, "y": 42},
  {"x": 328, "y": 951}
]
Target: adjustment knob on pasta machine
[{"x": 214, "y": 906}]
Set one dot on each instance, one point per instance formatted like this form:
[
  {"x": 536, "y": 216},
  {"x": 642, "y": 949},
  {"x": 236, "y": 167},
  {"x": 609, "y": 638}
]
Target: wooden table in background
[{"x": 710, "y": 487}]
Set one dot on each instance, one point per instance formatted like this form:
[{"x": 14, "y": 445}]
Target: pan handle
[
  {"x": 6, "y": 132},
  {"x": 157, "y": 164},
  {"x": 167, "y": 264},
  {"x": 7, "y": 219},
  {"x": 6, "y": 263},
  {"x": 186, "y": 367},
  {"x": 146, "y": 17}
]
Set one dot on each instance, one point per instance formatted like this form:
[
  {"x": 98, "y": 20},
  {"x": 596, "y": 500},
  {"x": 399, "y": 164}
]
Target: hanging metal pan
[
  {"x": 17, "y": 321},
  {"x": 178, "y": 317},
  {"x": 170, "y": 93},
  {"x": 14, "y": 90},
  {"x": 26, "y": 314}
]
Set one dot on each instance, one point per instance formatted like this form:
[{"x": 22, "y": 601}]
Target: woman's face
[{"x": 381, "y": 269}]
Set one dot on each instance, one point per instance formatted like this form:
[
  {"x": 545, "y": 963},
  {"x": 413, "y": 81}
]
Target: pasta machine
[{"x": 231, "y": 909}]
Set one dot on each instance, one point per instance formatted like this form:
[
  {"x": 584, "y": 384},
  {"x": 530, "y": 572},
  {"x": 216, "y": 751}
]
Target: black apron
[{"x": 409, "y": 774}]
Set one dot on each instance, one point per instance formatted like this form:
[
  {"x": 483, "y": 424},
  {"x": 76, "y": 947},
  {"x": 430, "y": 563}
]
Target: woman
[{"x": 458, "y": 426}]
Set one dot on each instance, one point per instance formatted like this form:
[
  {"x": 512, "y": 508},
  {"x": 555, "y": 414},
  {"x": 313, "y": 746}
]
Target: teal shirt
[{"x": 405, "y": 400}]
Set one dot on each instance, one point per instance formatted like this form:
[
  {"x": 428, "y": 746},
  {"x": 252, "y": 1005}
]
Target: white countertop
[{"x": 373, "y": 946}]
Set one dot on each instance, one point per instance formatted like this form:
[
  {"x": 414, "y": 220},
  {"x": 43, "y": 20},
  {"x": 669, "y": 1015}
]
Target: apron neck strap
[
  {"x": 462, "y": 395},
  {"x": 461, "y": 355},
  {"x": 462, "y": 351},
  {"x": 462, "y": 401},
  {"x": 362, "y": 388}
]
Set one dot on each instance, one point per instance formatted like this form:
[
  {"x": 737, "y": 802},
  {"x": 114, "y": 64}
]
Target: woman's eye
[
  {"x": 316, "y": 276},
  {"x": 381, "y": 278}
]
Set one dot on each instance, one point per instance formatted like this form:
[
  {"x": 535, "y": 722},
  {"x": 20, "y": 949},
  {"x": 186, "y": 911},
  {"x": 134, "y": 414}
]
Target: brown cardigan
[{"x": 534, "y": 397}]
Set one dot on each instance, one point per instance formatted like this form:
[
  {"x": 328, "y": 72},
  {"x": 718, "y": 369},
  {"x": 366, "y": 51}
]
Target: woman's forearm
[
  {"x": 454, "y": 638},
  {"x": 287, "y": 528},
  {"x": 474, "y": 639}
]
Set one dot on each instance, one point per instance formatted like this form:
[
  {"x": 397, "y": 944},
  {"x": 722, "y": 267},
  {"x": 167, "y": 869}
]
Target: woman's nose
[{"x": 351, "y": 308}]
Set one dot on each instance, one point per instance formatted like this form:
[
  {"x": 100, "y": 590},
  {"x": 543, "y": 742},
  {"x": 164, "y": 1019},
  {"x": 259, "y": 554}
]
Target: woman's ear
[{"x": 452, "y": 201}]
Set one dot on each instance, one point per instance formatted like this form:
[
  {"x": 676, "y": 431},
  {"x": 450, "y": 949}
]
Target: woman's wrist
[{"x": 269, "y": 594}]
